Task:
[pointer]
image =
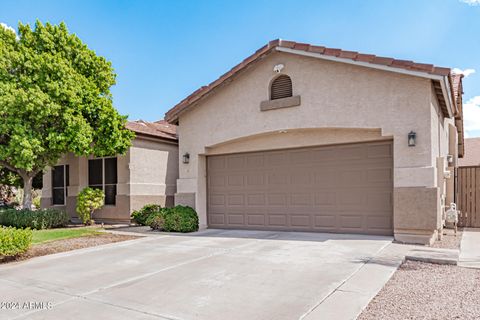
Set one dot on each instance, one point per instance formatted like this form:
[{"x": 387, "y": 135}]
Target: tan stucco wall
[
  {"x": 147, "y": 173},
  {"x": 339, "y": 103}
]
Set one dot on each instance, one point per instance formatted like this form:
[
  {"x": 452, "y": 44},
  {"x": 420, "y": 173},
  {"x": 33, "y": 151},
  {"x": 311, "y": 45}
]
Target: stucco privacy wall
[
  {"x": 333, "y": 95},
  {"x": 146, "y": 174}
]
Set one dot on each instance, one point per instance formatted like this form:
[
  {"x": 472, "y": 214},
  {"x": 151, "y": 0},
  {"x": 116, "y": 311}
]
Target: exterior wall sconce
[
  {"x": 412, "y": 139},
  {"x": 186, "y": 158}
]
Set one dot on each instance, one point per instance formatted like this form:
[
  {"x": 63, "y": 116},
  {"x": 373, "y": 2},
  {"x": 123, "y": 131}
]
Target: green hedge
[
  {"x": 39, "y": 219},
  {"x": 14, "y": 241},
  {"x": 141, "y": 216},
  {"x": 176, "y": 219}
]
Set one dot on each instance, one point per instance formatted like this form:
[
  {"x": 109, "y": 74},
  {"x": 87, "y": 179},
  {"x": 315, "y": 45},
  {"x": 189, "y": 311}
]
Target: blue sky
[{"x": 164, "y": 50}]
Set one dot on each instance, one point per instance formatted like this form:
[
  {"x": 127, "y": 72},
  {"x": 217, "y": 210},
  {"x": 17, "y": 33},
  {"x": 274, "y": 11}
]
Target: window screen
[
  {"x": 60, "y": 177},
  {"x": 102, "y": 174},
  {"x": 95, "y": 174}
]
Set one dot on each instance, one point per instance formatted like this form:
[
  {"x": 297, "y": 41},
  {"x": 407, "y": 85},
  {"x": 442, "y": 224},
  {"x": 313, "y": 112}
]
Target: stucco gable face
[{"x": 333, "y": 95}]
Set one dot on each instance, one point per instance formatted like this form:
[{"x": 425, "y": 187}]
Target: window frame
[
  {"x": 103, "y": 179},
  {"x": 66, "y": 183}
]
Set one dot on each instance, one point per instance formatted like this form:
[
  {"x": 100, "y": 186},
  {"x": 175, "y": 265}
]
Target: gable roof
[
  {"x": 159, "y": 129},
  {"x": 441, "y": 77},
  {"x": 472, "y": 153}
]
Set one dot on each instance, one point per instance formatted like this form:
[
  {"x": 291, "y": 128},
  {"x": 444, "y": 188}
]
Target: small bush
[
  {"x": 88, "y": 201},
  {"x": 39, "y": 219},
  {"x": 141, "y": 216},
  {"x": 180, "y": 219},
  {"x": 14, "y": 241},
  {"x": 177, "y": 219}
]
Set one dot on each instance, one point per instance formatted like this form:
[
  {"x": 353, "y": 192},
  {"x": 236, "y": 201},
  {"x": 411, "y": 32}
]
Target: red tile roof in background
[{"x": 161, "y": 129}]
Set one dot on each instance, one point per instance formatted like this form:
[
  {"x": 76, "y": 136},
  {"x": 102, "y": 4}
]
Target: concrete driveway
[{"x": 214, "y": 274}]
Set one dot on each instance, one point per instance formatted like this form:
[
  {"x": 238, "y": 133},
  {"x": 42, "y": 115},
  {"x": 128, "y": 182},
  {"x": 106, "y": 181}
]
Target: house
[
  {"x": 306, "y": 138},
  {"x": 472, "y": 154},
  {"x": 146, "y": 174}
]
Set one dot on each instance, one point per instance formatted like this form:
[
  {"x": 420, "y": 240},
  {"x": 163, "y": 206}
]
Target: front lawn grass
[{"x": 40, "y": 236}]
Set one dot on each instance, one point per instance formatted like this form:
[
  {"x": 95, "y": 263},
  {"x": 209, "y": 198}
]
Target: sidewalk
[{"x": 470, "y": 249}]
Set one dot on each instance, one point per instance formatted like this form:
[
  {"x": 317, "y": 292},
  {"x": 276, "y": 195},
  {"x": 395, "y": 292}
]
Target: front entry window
[{"x": 60, "y": 177}]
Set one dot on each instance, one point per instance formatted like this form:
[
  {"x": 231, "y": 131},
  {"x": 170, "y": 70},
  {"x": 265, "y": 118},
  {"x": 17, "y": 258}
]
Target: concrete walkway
[
  {"x": 214, "y": 274},
  {"x": 470, "y": 249}
]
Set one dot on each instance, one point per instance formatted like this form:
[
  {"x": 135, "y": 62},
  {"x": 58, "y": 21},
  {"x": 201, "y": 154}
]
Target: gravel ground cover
[
  {"x": 427, "y": 291},
  {"x": 67, "y": 245},
  {"x": 449, "y": 240}
]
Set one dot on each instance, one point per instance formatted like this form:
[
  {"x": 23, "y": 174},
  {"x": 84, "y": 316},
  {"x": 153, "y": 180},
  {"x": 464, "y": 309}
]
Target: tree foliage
[{"x": 54, "y": 99}]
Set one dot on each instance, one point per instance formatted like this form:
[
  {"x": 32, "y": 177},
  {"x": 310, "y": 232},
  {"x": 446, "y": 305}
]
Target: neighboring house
[
  {"x": 147, "y": 173},
  {"x": 472, "y": 153},
  {"x": 308, "y": 138}
]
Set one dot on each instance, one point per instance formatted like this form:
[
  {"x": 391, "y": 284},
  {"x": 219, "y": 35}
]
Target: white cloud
[
  {"x": 471, "y": 116},
  {"x": 471, "y": 2},
  {"x": 7, "y": 27},
  {"x": 465, "y": 72}
]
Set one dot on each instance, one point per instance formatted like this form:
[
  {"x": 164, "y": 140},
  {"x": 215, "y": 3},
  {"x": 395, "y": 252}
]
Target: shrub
[
  {"x": 39, "y": 219},
  {"x": 89, "y": 200},
  {"x": 180, "y": 219},
  {"x": 14, "y": 241},
  {"x": 141, "y": 216}
]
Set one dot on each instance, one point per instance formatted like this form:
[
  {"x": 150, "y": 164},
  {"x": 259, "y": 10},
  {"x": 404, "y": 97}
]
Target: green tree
[{"x": 54, "y": 99}]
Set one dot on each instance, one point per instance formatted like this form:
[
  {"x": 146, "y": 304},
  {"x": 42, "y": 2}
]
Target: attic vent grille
[{"x": 281, "y": 88}]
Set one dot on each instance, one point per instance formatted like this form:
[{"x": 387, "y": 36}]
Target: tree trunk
[{"x": 27, "y": 192}]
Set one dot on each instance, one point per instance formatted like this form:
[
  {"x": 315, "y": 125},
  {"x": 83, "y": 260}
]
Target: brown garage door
[{"x": 343, "y": 188}]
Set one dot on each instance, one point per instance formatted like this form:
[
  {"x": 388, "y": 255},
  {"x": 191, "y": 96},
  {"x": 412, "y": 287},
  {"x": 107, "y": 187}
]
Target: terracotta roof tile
[
  {"x": 316, "y": 49},
  {"x": 172, "y": 114},
  {"x": 161, "y": 128},
  {"x": 472, "y": 153},
  {"x": 365, "y": 57},
  {"x": 332, "y": 52},
  {"x": 348, "y": 54},
  {"x": 382, "y": 60}
]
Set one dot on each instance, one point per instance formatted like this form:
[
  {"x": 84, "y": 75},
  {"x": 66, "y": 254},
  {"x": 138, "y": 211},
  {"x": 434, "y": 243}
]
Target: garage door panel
[
  {"x": 325, "y": 221},
  {"x": 380, "y": 175},
  {"x": 337, "y": 189},
  {"x": 255, "y": 161},
  {"x": 351, "y": 221},
  {"x": 379, "y": 222},
  {"x": 325, "y": 198},
  {"x": 277, "y": 178},
  {"x": 278, "y": 220},
  {"x": 236, "y": 219},
  {"x": 255, "y": 180},
  {"x": 277, "y": 199},
  {"x": 216, "y": 218},
  {"x": 379, "y": 201},
  {"x": 235, "y": 180},
  {"x": 302, "y": 221},
  {"x": 276, "y": 158},
  {"x": 301, "y": 199},
  {"x": 380, "y": 151},
  {"x": 256, "y": 219}
]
